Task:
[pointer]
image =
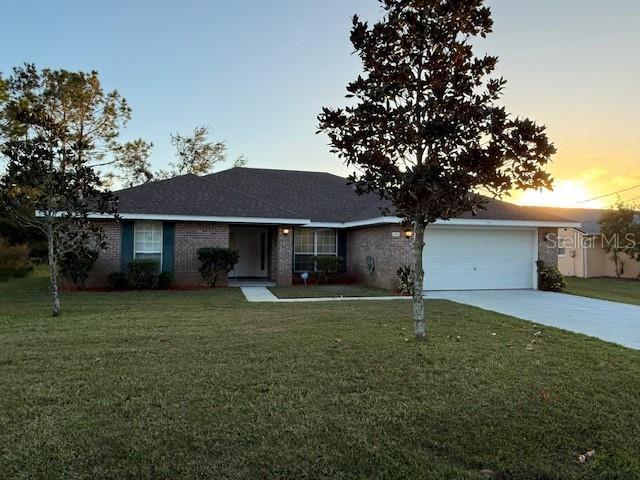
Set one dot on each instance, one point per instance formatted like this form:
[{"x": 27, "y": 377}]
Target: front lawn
[
  {"x": 166, "y": 385},
  {"x": 614, "y": 289},
  {"x": 318, "y": 291}
]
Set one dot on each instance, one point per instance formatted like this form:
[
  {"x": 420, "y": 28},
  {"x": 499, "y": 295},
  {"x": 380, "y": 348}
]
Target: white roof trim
[
  {"x": 382, "y": 220},
  {"x": 204, "y": 218},
  {"x": 506, "y": 223},
  {"x": 471, "y": 222}
]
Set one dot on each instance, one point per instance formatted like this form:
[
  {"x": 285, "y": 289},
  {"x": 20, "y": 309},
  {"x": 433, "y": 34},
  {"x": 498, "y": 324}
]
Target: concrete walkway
[
  {"x": 262, "y": 294},
  {"x": 614, "y": 322}
]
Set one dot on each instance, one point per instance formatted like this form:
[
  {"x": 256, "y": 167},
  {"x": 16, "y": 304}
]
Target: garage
[{"x": 479, "y": 258}]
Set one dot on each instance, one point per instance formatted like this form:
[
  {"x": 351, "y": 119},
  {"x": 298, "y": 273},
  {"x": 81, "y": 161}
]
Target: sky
[{"x": 258, "y": 72}]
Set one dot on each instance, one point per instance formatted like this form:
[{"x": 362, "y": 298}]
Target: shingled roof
[{"x": 281, "y": 194}]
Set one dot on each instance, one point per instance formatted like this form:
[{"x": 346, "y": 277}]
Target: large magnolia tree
[
  {"x": 59, "y": 130},
  {"x": 424, "y": 128}
]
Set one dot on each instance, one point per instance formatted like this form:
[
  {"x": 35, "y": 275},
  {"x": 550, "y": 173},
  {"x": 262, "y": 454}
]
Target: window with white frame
[
  {"x": 148, "y": 242},
  {"x": 561, "y": 251},
  {"x": 308, "y": 242}
]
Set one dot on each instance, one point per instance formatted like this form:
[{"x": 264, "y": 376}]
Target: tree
[
  {"x": 196, "y": 154},
  {"x": 424, "y": 129},
  {"x": 241, "y": 161},
  {"x": 619, "y": 235},
  {"x": 58, "y": 129},
  {"x": 132, "y": 159}
]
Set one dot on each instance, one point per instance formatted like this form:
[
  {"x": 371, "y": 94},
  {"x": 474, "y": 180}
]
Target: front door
[{"x": 251, "y": 243}]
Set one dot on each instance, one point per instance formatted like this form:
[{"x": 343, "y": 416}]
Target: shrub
[
  {"x": 214, "y": 261},
  {"x": 327, "y": 267},
  {"x": 14, "y": 260},
  {"x": 143, "y": 274},
  {"x": 406, "y": 283},
  {"x": 549, "y": 278},
  {"x": 76, "y": 265},
  {"x": 165, "y": 281},
  {"x": 118, "y": 281}
]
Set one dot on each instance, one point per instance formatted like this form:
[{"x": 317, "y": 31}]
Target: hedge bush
[
  {"x": 550, "y": 279},
  {"x": 214, "y": 261},
  {"x": 406, "y": 283},
  {"x": 143, "y": 274},
  {"x": 165, "y": 281},
  {"x": 75, "y": 266},
  {"x": 14, "y": 260},
  {"x": 327, "y": 267},
  {"x": 118, "y": 281}
]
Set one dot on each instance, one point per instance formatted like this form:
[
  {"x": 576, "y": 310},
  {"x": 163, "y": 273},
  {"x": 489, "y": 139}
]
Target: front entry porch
[
  {"x": 251, "y": 244},
  {"x": 265, "y": 255}
]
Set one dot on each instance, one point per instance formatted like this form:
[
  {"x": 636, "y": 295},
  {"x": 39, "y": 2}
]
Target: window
[
  {"x": 148, "y": 242},
  {"x": 308, "y": 242},
  {"x": 561, "y": 251},
  {"x": 303, "y": 248},
  {"x": 326, "y": 242}
]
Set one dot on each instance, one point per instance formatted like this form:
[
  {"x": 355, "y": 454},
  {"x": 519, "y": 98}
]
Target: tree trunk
[
  {"x": 53, "y": 271},
  {"x": 418, "y": 279}
]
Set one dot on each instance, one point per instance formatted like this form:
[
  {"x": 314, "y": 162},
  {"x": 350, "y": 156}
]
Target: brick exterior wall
[
  {"x": 548, "y": 249},
  {"x": 388, "y": 252},
  {"x": 190, "y": 237},
  {"x": 281, "y": 256}
]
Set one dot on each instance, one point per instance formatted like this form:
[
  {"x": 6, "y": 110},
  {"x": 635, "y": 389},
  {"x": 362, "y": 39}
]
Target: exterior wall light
[
  {"x": 285, "y": 231},
  {"x": 408, "y": 233}
]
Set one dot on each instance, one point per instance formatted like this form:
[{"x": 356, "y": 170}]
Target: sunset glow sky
[{"x": 259, "y": 72}]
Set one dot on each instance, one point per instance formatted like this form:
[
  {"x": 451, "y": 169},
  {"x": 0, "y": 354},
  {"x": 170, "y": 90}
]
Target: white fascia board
[
  {"x": 373, "y": 221},
  {"x": 324, "y": 225},
  {"x": 466, "y": 222},
  {"x": 382, "y": 220},
  {"x": 204, "y": 218},
  {"x": 476, "y": 222}
]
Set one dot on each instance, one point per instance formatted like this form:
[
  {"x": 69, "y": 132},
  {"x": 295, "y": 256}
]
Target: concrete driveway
[{"x": 614, "y": 322}]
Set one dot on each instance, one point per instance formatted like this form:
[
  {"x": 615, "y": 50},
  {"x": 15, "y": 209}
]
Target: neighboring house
[
  {"x": 278, "y": 220},
  {"x": 581, "y": 251}
]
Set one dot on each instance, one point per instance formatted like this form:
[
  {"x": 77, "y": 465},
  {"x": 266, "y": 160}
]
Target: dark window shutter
[
  {"x": 342, "y": 248},
  {"x": 168, "y": 246},
  {"x": 126, "y": 245}
]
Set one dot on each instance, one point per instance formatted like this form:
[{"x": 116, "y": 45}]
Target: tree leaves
[{"x": 426, "y": 131}]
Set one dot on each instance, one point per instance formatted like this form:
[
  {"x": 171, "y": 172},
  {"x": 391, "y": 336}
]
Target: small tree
[
  {"x": 215, "y": 261},
  {"x": 76, "y": 263},
  {"x": 58, "y": 130},
  {"x": 425, "y": 130},
  {"x": 619, "y": 235}
]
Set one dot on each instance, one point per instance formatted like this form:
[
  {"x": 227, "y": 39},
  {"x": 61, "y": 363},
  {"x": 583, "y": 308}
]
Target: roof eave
[{"x": 203, "y": 218}]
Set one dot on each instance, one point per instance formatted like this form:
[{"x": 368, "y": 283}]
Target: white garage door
[{"x": 478, "y": 259}]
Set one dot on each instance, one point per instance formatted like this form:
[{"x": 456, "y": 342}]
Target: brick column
[{"x": 282, "y": 256}]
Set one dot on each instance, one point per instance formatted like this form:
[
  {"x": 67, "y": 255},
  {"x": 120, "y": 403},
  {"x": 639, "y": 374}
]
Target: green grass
[
  {"x": 165, "y": 385},
  {"x": 318, "y": 291},
  {"x": 614, "y": 289}
]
